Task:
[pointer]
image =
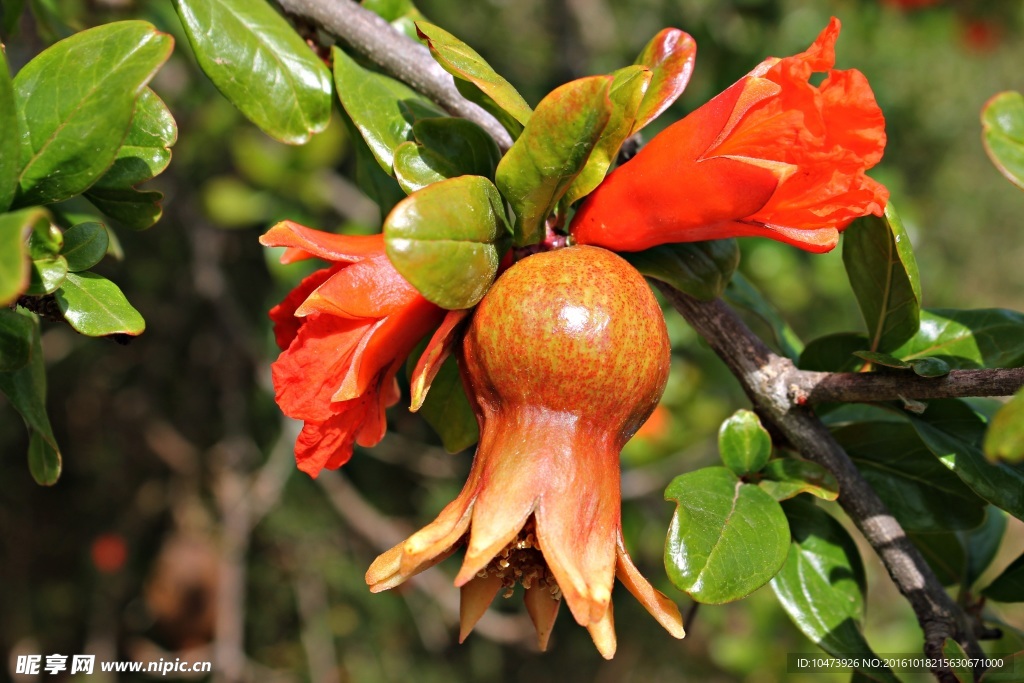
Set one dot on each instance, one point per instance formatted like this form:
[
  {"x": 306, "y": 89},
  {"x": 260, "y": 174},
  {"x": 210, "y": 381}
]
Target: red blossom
[
  {"x": 772, "y": 156},
  {"x": 344, "y": 332}
]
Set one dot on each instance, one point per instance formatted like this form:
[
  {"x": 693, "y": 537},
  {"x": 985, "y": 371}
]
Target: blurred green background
[{"x": 180, "y": 527}]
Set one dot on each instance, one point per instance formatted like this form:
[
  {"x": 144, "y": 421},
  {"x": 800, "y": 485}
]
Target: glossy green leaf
[
  {"x": 741, "y": 292},
  {"x": 15, "y": 227},
  {"x": 727, "y": 538},
  {"x": 445, "y": 147},
  {"x": 1002, "y": 121},
  {"x": 980, "y": 338},
  {"x": 446, "y": 409},
  {"x": 9, "y": 140},
  {"x": 785, "y": 478},
  {"x": 45, "y": 241},
  {"x": 85, "y": 245},
  {"x": 916, "y": 488},
  {"x": 15, "y": 340},
  {"x": 743, "y": 444},
  {"x": 670, "y": 56},
  {"x": 953, "y": 432},
  {"x": 1004, "y": 439},
  {"x": 834, "y": 353},
  {"x": 378, "y": 105},
  {"x": 96, "y": 307},
  {"x": 370, "y": 177},
  {"x": 132, "y": 208},
  {"x": 76, "y": 101},
  {"x": 982, "y": 543},
  {"x": 46, "y": 275},
  {"x": 554, "y": 147},
  {"x": 956, "y": 654},
  {"x": 930, "y": 367},
  {"x": 1009, "y": 585},
  {"x": 883, "y": 273},
  {"x": 260, "y": 64},
  {"x": 701, "y": 269},
  {"x": 945, "y": 554},
  {"x": 626, "y": 92},
  {"x": 883, "y": 359},
  {"x": 464, "y": 63},
  {"x": 447, "y": 240},
  {"x": 822, "y": 585},
  {"x": 25, "y": 388}
]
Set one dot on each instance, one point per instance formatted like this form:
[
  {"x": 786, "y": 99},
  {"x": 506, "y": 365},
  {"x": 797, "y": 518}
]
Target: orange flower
[
  {"x": 772, "y": 156},
  {"x": 344, "y": 332}
]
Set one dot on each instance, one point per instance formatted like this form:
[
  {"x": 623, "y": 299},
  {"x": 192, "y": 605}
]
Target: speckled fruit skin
[{"x": 573, "y": 336}]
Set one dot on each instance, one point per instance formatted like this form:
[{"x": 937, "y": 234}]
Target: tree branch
[
  {"x": 397, "y": 55},
  {"x": 866, "y": 387}
]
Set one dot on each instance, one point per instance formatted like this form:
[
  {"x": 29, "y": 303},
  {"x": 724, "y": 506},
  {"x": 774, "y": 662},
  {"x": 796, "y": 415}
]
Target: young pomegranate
[{"x": 565, "y": 358}]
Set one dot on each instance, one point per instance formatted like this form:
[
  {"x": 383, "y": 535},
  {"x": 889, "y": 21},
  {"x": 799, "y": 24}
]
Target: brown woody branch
[{"x": 865, "y": 387}]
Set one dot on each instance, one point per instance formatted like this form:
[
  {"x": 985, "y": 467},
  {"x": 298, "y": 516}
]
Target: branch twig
[{"x": 866, "y": 387}]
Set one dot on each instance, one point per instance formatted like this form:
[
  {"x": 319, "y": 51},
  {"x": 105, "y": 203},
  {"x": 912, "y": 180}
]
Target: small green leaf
[
  {"x": 822, "y": 586},
  {"x": 96, "y": 307},
  {"x": 834, "y": 353},
  {"x": 446, "y": 409},
  {"x": 785, "y": 478},
  {"x": 670, "y": 56},
  {"x": 981, "y": 338},
  {"x": 982, "y": 543},
  {"x": 741, "y": 292},
  {"x": 953, "y": 432},
  {"x": 727, "y": 538},
  {"x": 1004, "y": 439},
  {"x": 15, "y": 340},
  {"x": 954, "y": 653},
  {"x": 1009, "y": 585},
  {"x": 131, "y": 208},
  {"x": 9, "y": 141},
  {"x": 447, "y": 240},
  {"x": 901, "y": 469},
  {"x": 883, "y": 359},
  {"x": 85, "y": 245},
  {"x": 464, "y": 63},
  {"x": 1002, "y": 120},
  {"x": 883, "y": 273},
  {"x": 15, "y": 228},
  {"x": 47, "y": 275},
  {"x": 370, "y": 177},
  {"x": 701, "y": 269},
  {"x": 45, "y": 241},
  {"x": 25, "y": 388},
  {"x": 627, "y": 90},
  {"x": 553, "y": 149},
  {"x": 930, "y": 367},
  {"x": 744, "y": 445},
  {"x": 261, "y": 65},
  {"x": 378, "y": 105},
  {"x": 75, "y": 102},
  {"x": 445, "y": 147}
]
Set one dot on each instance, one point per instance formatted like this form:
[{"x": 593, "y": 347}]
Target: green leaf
[
  {"x": 261, "y": 65},
  {"x": 626, "y": 92},
  {"x": 740, "y": 292},
  {"x": 25, "y": 388},
  {"x": 744, "y": 445},
  {"x": 921, "y": 494},
  {"x": 834, "y": 353},
  {"x": 883, "y": 359},
  {"x": 447, "y": 240},
  {"x": 96, "y": 307},
  {"x": 1009, "y": 585},
  {"x": 554, "y": 147},
  {"x": 15, "y": 340},
  {"x": 1004, "y": 439},
  {"x": 145, "y": 154},
  {"x": 47, "y": 275},
  {"x": 378, "y": 105},
  {"x": 10, "y": 13},
  {"x": 9, "y": 141},
  {"x": 14, "y": 257},
  {"x": 883, "y": 273},
  {"x": 445, "y": 147},
  {"x": 953, "y": 652},
  {"x": 953, "y": 432},
  {"x": 1002, "y": 121},
  {"x": 981, "y": 338},
  {"x": 446, "y": 409},
  {"x": 370, "y": 177},
  {"x": 701, "y": 269},
  {"x": 944, "y": 553},
  {"x": 85, "y": 245},
  {"x": 982, "y": 543},
  {"x": 930, "y": 367},
  {"x": 727, "y": 538},
  {"x": 464, "y": 63},
  {"x": 822, "y": 585},
  {"x": 75, "y": 102},
  {"x": 786, "y": 478},
  {"x": 670, "y": 56}
]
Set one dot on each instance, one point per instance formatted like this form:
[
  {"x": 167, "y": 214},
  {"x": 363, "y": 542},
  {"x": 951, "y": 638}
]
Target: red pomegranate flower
[
  {"x": 344, "y": 332},
  {"x": 772, "y": 156}
]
